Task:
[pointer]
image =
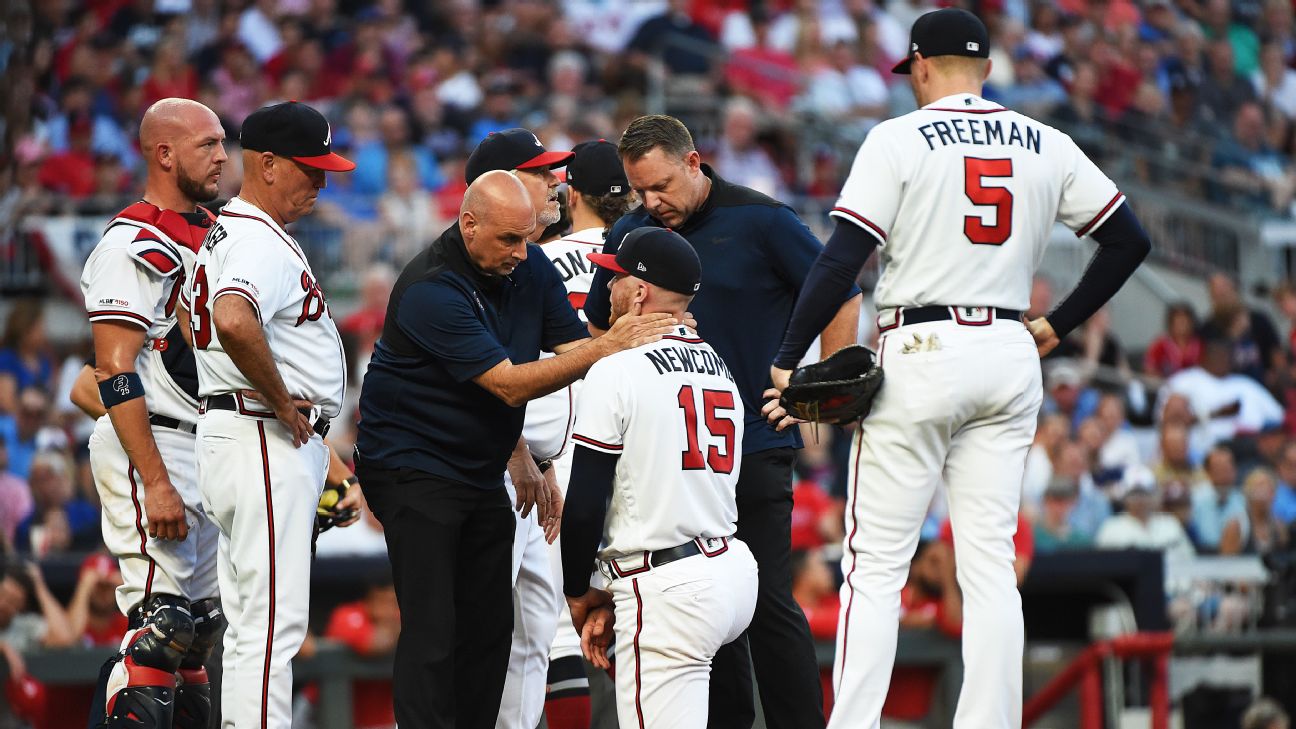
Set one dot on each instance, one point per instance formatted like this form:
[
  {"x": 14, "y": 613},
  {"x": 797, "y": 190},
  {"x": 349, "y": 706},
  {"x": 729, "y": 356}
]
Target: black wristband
[{"x": 120, "y": 388}]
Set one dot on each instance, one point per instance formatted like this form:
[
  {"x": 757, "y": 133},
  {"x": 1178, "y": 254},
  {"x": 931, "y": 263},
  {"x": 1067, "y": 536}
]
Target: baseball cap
[
  {"x": 595, "y": 169},
  {"x": 293, "y": 130},
  {"x": 511, "y": 149},
  {"x": 946, "y": 32},
  {"x": 659, "y": 256}
]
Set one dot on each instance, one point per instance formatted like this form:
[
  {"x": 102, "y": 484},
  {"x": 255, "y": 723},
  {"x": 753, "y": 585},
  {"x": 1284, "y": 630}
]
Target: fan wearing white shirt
[
  {"x": 1225, "y": 403},
  {"x": 1142, "y": 525}
]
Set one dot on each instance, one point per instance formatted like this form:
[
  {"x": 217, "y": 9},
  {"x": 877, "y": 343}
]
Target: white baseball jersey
[
  {"x": 134, "y": 275},
  {"x": 247, "y": 254},
  {"x": 673, "y": 399},
  {"x": 549, "y": 419},
  {"x": 962, "y": 195}
]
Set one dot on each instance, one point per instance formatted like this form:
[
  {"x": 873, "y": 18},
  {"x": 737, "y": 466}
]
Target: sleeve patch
[{"x": 155, "y": 254}]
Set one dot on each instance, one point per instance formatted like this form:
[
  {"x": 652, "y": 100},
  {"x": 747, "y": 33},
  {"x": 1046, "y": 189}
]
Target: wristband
[
  {"x": 544, "y": 465},
  {"x": 120, "y": 388},
  {"x": 350, "y": 481}
]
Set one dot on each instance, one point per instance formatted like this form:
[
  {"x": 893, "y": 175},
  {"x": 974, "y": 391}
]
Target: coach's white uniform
[
  {"x": 133, "y": 276},
  {"x": 672, "y": 413},
  {"x": 542, "y": 626},
  {"x": 962, "y": 196},
  {"x": 258, "y": 488}
]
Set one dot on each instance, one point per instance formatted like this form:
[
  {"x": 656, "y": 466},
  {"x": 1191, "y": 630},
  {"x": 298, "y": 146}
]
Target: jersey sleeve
[
  {"x": 598, "y": 303},
  {"x": 561, "y": 324},
  {"x": 257, "y": 270},
  {"x": 871, "y": 194},
  {"x": 442, "y": 322},
  {"x": 118, "y": 288},
  {"x": 603, "y": 409},
  {"x": 1089, "y": 196}
]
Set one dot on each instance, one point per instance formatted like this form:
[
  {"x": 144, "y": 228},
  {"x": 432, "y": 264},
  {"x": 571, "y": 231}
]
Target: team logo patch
[
  {"x": 121, "y": 385},
  {"x": 973, "y": 46},
  {"x": 328, "y": 138},
  {"x": 642, "y": 267},
  {"x": 114, "y": 302},
  {"x": 616, "y": 189}
]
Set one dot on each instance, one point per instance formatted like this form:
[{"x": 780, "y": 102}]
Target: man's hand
[
  {"x": 291, "y": 415},
  {"x": 529, "y": 484},
  {"x": 633, "y": 330},
  {"x": 581, "y": 607},
  {"x": 553, "y": 521},
  {"x": 165, "y": 510},
  {"x": 1045, "y": 338},
  {"x": 597, "y": 636},
  {"x": 354, "y": 502},
  {"x": 772, "y": 410}
]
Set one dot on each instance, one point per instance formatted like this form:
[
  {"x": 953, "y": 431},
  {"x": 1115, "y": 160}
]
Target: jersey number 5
[
  {"x": 719, "y": 426},
  {"x": 975, "y": 170}
]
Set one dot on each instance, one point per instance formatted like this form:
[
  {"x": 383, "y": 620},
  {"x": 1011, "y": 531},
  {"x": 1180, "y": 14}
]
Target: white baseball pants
[
  {"x": 962, "y": 408},
  {"x": 261, "y": 492},
  {"x": 670, "y": 621},
  {"x": 537, "y": 601},
  {"x": 565, "y": 642},
  {"x": 185, "y": 569}
]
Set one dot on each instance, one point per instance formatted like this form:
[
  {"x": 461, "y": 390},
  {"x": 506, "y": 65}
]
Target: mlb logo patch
[{"x": 973, "y": 46}]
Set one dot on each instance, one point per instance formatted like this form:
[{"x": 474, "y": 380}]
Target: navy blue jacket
[{"x": 755, "y": 255}]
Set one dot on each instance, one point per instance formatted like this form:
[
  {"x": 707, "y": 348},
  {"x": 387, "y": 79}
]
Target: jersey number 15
[
  {"x": 720, "y": 461},
  {"x": 975, "y": 170}
]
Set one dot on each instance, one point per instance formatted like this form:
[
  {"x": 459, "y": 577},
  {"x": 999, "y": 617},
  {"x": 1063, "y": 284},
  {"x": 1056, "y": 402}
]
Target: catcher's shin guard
[
  {"x": 193, "y": 688},
  {"x": 141, "y": 686}
]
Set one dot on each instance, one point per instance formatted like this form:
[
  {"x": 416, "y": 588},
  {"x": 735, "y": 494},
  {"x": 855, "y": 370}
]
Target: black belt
[
  {"x": 229, "y": 402},
  {"x": 973, "y": 316},
  {"x": 163, "y": 421},
  {"x": 666, "y": 556}
]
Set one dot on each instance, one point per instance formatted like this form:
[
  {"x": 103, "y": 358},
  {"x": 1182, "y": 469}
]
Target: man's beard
[
  {"x": 193, "y": 189},
  {"x": 552, "y": 214}
]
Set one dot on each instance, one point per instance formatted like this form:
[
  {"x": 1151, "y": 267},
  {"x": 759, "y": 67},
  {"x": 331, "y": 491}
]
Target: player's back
[
  {"x": 674, "y": 416},
  {"x": 963, "y": 194}
]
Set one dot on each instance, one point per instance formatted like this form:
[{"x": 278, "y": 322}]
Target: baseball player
[
  {"x": 271, "y": 375},
  {"x": 960, "y": 196},
  {"x": 659, "y": 436},
  {"x": 142, "y": 452}
]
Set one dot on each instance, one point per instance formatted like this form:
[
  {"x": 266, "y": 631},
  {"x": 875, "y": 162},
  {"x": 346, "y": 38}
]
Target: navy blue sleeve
[
  {"x": 561, "y": 324},
  {"x": 1122, "y": 246},
  {"x": 442, "y": 321},
  {"x": 588, "y": 492},
  {"x": 598, "y": 303},
  {"x": 833, "y": 272},
  {"x": 793, "y": 248}
]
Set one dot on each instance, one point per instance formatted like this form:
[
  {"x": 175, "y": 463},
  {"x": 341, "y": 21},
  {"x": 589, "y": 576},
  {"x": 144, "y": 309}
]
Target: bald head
[
  {"x": 496, "y": 220},
  {"x": 183, "y": 145}
]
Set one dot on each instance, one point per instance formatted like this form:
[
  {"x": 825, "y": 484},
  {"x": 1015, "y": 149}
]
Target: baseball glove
[
  {"x": 327, "y": 514},
  {"x": 838, "y": 390}
]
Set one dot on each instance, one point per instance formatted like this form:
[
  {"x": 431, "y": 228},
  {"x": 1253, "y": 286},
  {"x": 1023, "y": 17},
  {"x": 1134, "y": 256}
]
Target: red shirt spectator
[
  {"x": 369, "y": 627},
  {"x": 810, "y": 506},
  {"x": 1178, "y": 348}
]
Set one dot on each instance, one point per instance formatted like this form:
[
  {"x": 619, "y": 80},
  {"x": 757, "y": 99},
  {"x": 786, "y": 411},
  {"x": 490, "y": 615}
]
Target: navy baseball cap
[
  {"x": 511, "y": 149},
  {"x": 946, "y": 32},
  {"x": 295, "y": 131},
  {"x": 595, "y": 169},
  {"x": 659, "y": 256}
]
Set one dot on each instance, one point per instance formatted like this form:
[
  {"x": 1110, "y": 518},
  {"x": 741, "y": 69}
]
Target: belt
[
  {"x": 666, "y": 556},
  {"x": 972, "y": 316},
  {"x": 163, "y": 421},
  {"x": 228, "y": 401}
]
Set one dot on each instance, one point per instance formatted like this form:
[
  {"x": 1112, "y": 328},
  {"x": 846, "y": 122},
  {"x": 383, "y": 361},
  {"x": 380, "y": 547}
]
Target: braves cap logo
[
  {"x": 328, "y": 138},
  {"x": 537, "y": 141},
  {"x": 121, "y": 385}
]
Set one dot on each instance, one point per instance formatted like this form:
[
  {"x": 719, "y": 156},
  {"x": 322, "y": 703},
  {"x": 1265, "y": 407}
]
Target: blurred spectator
[
  {"x": 24, "y": 354},
  {"x": 239, "y": 85},
  {"x": 815, "y": 591},
  {"x": 681, "y": 44},
  {"x": 1285, "y": 491},
  {"x": 21, "y": 432},
  {"x": 373, "y": 158},
  {"x": 369, "y": 627},
  {"x": 1224, "y": 90},
  {"x": 61, "y": 520},
  {"x": 170, "y": 74},
  {"x": 1178, "y": 347},
  {"x": 1260, "y": 328},
  {"x": 1216, "y": 501},
  {"x": 739, "y": 157},
  {"x": 1175, "y": 463},
  {"x": 1053, "y": 528},
  {"x": 1041, "y": 297},
  {"x": 30, "y": 617},
  {"x": 1119, "y": 449},
  {"x": 1050, "y": 434},
  {"x": 366, "y": 322},
  {"x": 1251, "y": 171},
  {"x": 1226, "y": 404},
  {"x": 1265, "y": 713},
  {"x": 258, "y": 29},
  {"x": 845, "y": 91},
  {"x": 1072, "y": 470},
  {"x": 71, "y": 171},
  {"x": 15, "y": 501},
  {"x": 93, "y": 615},
  {"x": 1068, "y": 393},
  {"x": 930, "y": 600},
  {"x": 1142, "y": 525},
  {"x": 1275, "y": 81},
  {"x": 1034, "y": 93},
  {"x": 1176, "y": 499},
  {"x": 816, "y": 516},
  {"x": 761, "y": 71},
  {"x": 1256, "y": 530},
  {"x": 1094, "y": 346},
  {"x": 498, "y": 110},
  {"x": 1218, "y": 22}
]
